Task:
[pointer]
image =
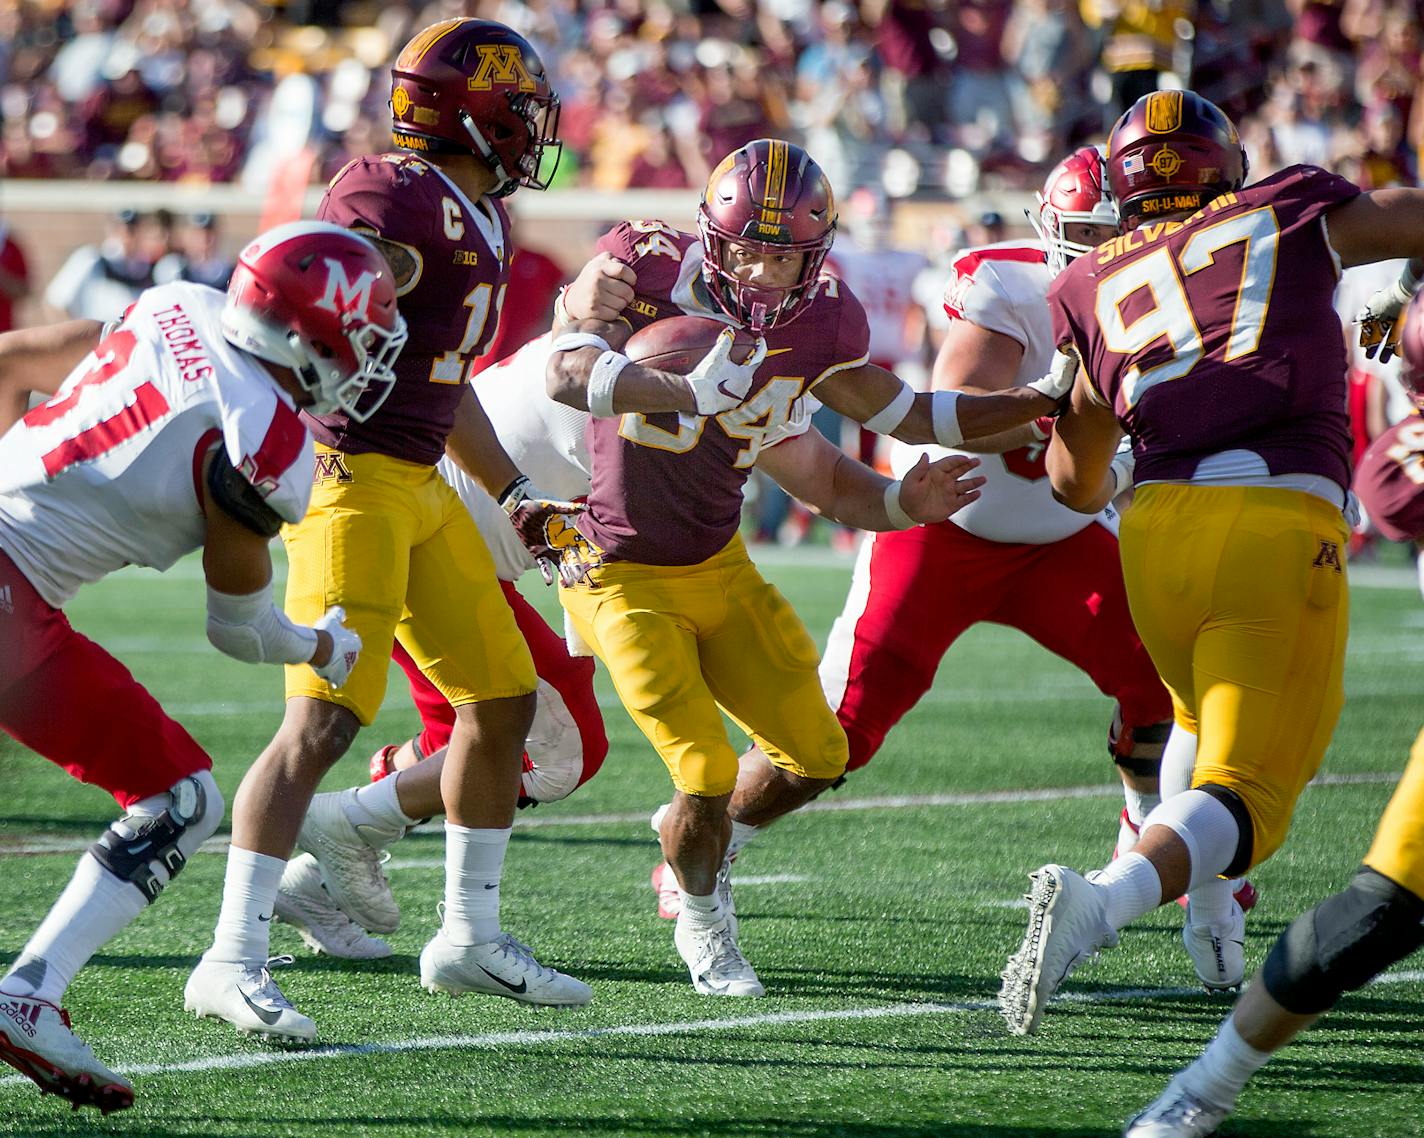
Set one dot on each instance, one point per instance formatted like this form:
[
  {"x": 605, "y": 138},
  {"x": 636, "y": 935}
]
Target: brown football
[{"x": 677, "y": 344}]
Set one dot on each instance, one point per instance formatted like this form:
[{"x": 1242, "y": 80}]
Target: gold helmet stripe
[
  {"x": 420, "y": 46},
  {"x": 1164, "y": 111}
]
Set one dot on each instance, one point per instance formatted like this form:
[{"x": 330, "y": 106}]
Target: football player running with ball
[
  {"x": 388, "y": 539},
  {"x": 669, "y": 599},
  {"x": 1206, "y": 333},
  {"x": 178, "y": 431},
  {"x": 1378, "y": 919}
]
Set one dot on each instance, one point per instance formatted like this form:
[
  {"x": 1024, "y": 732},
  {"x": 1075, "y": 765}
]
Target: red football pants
[
  {"x": 916, "y": 591},
  {"x": 570, "y": 676},
  {"x": 65, "y": 698}
]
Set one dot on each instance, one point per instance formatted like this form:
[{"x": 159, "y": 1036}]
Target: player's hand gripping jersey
[
  {"x": 1215, "y": 341},
  {"x": 1004, "y": 288},
  {"x": 108, "y": 472},
  {"x": 458, "y": 254},
  {"x": 667, "y": 488}
]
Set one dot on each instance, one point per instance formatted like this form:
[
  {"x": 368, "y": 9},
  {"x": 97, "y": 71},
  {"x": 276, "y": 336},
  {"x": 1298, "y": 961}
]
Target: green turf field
[{"x": 878, "y": 924}]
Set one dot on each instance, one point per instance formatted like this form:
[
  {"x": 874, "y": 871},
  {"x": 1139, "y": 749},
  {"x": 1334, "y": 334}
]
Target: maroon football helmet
[
  {"x": 769, "y": 197},
  {"x": 1076, "y": 192},
  {"x": 1411, "y": 347},
  {"x": 1170, "y": 151},
  {"x": 319, "y": 299},
  {"x": 476, "y": 86}
]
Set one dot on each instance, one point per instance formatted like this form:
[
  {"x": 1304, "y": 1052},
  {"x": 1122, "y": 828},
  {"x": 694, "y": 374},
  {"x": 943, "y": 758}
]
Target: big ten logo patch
[
  {"x": 1327, "y": 556},
  {"x": 331, "y": 467}
]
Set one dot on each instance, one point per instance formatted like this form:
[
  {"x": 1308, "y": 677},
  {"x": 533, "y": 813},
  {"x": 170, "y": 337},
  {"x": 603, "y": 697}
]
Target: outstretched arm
[
  {"x": 809, "y": 467},
  {"x": 975, "y": 359}
]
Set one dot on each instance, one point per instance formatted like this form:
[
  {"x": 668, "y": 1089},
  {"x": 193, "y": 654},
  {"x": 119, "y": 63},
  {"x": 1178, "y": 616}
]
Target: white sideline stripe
[
  {"x": 762, "y": 879},
  {"x": 250, "y": 1060},
  {"x": 41, "y": 845}
]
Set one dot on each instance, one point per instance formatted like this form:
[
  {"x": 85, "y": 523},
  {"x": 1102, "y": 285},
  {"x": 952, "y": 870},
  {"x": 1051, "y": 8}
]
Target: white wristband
[
  {"x": 561, "y": 310},
  {"x": 944, "y": 413},
  {"x": 884, "y": 421},
  {"x": 894, "y": 512},
  {"x": 572, "y": 341},
  {"x": 601, "y": 381}
]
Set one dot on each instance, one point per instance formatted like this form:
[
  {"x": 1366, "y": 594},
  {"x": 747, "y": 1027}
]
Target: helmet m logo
[
  {"x": 500, "y": 63},
  {"x": 1166, "y": 162},
  {"x": 1164, "y": 111},
  {"x": 344, "y": 295}
]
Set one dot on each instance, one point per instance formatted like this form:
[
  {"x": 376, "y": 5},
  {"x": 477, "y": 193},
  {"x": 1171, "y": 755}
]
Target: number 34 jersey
[
  {"x": 107, "y": 472},
  {"x": 1214, "y": 338}
]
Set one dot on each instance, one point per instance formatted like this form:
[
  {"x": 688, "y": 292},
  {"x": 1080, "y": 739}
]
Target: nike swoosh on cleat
[
  {"x": 260, "y": 917},
  {"x": 519, "y": 991},
  {"x": 266, "y": 1017},
  {"x": 494, "y": 886}
]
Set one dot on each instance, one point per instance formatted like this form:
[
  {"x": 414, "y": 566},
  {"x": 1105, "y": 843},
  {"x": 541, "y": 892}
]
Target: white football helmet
[
  {"x": 1076, "y": 192},
  {"x": 320, "y": 300}
]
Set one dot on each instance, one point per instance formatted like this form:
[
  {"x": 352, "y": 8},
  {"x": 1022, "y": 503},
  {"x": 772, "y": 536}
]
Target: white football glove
[
  {"x": 345, "y": 647},
  {"x": 1123, "y": 464},
  {"x": 717, "y": 383},
  {"x": 1061, "y": 374},
  {"x": 1379, "y": 321}
]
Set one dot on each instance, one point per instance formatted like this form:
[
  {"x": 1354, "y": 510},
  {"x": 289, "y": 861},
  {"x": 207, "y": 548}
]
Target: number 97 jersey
[{"x": 1214, "y": 338}]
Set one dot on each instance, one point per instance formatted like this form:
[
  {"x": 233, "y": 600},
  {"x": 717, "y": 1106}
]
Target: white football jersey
[
  {"x": 543, "y": 437},
  {"x": 106, "y": 473},
  {"x": 883, "y": 280},
  {"x": 1004, "y": 288}
]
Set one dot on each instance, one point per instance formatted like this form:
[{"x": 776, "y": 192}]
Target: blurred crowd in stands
[{"x": 913, "y": 96}]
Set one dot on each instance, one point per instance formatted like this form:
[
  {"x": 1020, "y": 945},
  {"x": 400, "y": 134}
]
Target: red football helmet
[
  {"x": 476, "y": 86},
  {"x": 320, "y": 300},
  {"x": 1172, "y": 150},
  {"x": 1411, "y": 347},
  {"x": 769, "y": 197},
  {"x": 1076, "y": 192}
]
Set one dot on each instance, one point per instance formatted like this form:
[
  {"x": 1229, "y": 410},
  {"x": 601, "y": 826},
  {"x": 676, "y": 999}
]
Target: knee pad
[
  {"x": 1343, "y": 943},
  {"x": 150, "y": 844},
  {"x": 1138, "y": 749}
]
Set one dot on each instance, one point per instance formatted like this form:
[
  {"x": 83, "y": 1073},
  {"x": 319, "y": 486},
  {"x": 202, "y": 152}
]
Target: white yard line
[
  {"x": 47, "y": 845},
  {"x": 508, "y": 1039}
]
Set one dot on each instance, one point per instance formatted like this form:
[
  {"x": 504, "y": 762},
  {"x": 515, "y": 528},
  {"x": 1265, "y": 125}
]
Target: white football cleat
[
  {"x": 350, "y": 865},
  {"x": 246, "y": 996},
  {"x": 1218, "y": 951},
  {"x": 303, "y": 902},
  {"x": 500, "y": 967},
  {"x": 1066, "y": 925},
  {"x": 36, "y": 1039},
  {"x": 714, "y": 961},
  {"x": 1176, "y": 1113}
]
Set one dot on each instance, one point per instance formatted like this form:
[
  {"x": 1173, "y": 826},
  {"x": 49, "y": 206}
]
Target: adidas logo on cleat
[{"x": 23, "y": 1014}]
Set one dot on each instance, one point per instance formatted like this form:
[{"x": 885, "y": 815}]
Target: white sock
[
  {"x": 375, "y": 811},
  {"x": 243, "y": 935},
  {"x": 741, "y": 835},
  {"x": 474, "y": 861},
  {"x": 1139, "y": 804},
  {"x": 699, "y": 909},
  {"x": 93, "y": 908},
  {"x": 1132, "y": 889},
  {"x": 1211, "y": 902},
  {"x": 1224, "y": 1067}
]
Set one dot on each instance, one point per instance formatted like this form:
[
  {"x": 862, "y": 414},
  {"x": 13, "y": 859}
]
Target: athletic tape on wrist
[
  {"x": 572, "y": 341},
  {"x": 894, "y": 512},
  {"x": 884, "y": 421},
  {"x": 944, "y": 413},
  {"x": 561, "y": 309},
  {"x": 601, "y": 381}
]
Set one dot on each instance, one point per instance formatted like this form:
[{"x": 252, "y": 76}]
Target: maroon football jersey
[
  {"x": 462, "y": 252},
  {"x": 1390, "y": 480},
  {"x": 667, "y": 488},
  {"x": 1217, "y": 333}
]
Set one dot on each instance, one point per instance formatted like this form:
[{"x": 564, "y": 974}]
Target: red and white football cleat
[
  {"x": 37, "y": 1040},
  {"x": 382, "y": 762}
]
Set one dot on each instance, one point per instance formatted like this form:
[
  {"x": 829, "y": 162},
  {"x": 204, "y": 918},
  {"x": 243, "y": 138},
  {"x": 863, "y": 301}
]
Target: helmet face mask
[
  {"x": 468, "y": 86},
  {"x": 1172, "y": 151},
  {"x": 1076, "y": 193},
  {"x": 319, "y": 300},
  {"x": 767, "y": 198}
]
